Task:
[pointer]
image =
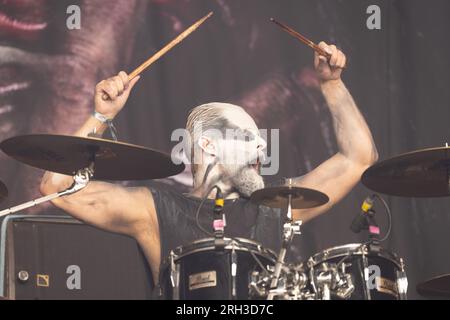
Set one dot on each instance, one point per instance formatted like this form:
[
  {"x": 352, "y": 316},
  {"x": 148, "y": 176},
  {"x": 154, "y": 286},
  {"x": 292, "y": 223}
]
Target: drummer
[{"x": 161, "y": 219}]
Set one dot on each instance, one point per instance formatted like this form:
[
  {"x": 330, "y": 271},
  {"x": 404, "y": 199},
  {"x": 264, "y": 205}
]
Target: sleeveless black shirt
[{"x": 176, "y": 214}]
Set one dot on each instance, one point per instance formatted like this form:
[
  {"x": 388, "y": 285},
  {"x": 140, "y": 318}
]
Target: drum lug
[
  {"x": 332, "y": 282},
  {"x": 312, "y": 277},
  {"x": 402, "y": 281},
  {"x": 174, "y": 277},
  {"x": 366, "y": 275},
  {"x": 233, "y": 273}
]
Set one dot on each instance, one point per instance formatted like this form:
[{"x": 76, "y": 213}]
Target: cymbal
[
  {"x": 438, "y": 286},
  {"x": 422, "y": 173},
  {"x": 3, "y": 191},
  {"x": 277, "y": 197},
  {"x": 112, "y": 160}
]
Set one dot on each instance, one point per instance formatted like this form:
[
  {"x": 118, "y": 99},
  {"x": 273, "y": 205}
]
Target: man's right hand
[{"x": 117, "y": 89}]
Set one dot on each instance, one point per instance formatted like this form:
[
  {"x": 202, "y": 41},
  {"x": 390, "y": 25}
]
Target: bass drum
[
  {"x": 364, "y": 273},
  {"x": 200, "y": 271}
]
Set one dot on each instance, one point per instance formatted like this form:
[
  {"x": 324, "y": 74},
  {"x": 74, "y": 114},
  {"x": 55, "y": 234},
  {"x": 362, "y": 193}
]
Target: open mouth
[
  {"x": 23, "y": 18},
  {"x": 256, "y": 165}
]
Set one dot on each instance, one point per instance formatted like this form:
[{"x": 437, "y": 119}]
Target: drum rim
[
  {"x": 229, "y": 241},
  {"x": 339, "y": 251}
]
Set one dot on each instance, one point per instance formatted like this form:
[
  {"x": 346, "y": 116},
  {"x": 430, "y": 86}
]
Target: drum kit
[{"x": 242, "y": 268}]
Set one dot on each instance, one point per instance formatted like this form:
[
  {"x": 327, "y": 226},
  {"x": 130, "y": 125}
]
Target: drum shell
[
  {"x": 357, "y": 257},
  {"x": 202, "y": 260}
]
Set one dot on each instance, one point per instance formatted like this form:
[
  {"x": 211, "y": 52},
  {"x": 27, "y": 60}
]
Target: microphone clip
[
  {"x": 219, "y": 222},
  {"x": 365, "y": 220}
]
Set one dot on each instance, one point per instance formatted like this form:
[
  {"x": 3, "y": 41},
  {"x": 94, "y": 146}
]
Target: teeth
[
  {"x": 25, "y": 26},
  {"x": 5, "y": 109},
  {"x": 13, "y": 87}
]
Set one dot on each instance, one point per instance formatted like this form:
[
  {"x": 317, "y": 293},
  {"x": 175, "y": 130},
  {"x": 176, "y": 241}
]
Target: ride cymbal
[
  {"x": 422, "y": 173},
  {"x": 438, "y": 286}
]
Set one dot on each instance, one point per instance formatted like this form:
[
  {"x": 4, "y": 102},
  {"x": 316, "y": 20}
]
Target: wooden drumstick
[
  {"x": 164, "y": 50},
  {"x": 302, "y": 38}
]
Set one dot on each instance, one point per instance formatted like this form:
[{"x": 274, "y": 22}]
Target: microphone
[
  {"x": 218, "y": 203},
  {"x": 360, "y": 222}
]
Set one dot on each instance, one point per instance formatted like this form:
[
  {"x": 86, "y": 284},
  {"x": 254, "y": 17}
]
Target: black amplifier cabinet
[{"x": 57, "y": 257}]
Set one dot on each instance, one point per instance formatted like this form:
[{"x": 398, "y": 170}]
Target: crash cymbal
[
  {"x": 423, "y": 173},
  {"x": 277, "y": 197},
  {"x": 435, "y": 287},
  {"x": 3, "y": 191},
  {"x": 68, "y": 154}
]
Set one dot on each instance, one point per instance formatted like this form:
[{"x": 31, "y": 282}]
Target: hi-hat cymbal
[
  {"x": 3, "y": 191},
  {"x": 435, "y": 287},
  {"x": 112, "y": 160},
  {"x": 423, "y": 173},
  {"x": 277, "y": 197}
]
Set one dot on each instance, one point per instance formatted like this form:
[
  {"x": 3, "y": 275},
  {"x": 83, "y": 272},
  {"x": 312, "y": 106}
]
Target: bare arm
[
  {"x": 105, "y": 205},
  {"x": 108, "y": 206},
  {"x": 356, "y": 148}
]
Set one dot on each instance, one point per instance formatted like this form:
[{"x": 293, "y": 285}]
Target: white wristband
[{"x": 100, "y": 117}]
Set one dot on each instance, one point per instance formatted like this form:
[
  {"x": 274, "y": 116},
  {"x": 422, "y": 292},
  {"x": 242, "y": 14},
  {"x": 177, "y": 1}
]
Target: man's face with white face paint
[{"x": 240, "y": 152}]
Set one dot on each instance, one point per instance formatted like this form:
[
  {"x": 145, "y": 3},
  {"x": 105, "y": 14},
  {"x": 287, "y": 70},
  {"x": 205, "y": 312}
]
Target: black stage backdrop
[{"x": 398, "y": 76}]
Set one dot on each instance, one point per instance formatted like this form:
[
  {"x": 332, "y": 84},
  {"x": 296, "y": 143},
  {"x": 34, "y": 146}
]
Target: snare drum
[
  {"x": 200, "y": 271},
  {"x": 359, "y": 274}
]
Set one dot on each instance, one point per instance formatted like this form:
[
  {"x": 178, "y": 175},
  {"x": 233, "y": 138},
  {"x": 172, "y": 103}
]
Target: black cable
[
  {"x": 389, "y": 214},
  {"x": 197, "y": 214},
  {"x": 197, "y": 220},
  {"x": 208, "y": 170}
]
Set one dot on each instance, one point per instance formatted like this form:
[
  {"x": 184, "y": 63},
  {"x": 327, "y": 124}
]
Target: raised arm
[
  {"x": 108, "y": 206},
  {"x": 356, "y": 148}
]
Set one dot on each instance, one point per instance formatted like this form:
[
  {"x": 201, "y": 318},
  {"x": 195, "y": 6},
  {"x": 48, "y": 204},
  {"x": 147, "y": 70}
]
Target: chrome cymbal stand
[
  {"x": 81, "y": 180},
  {"x": 290, "y": 229}
]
